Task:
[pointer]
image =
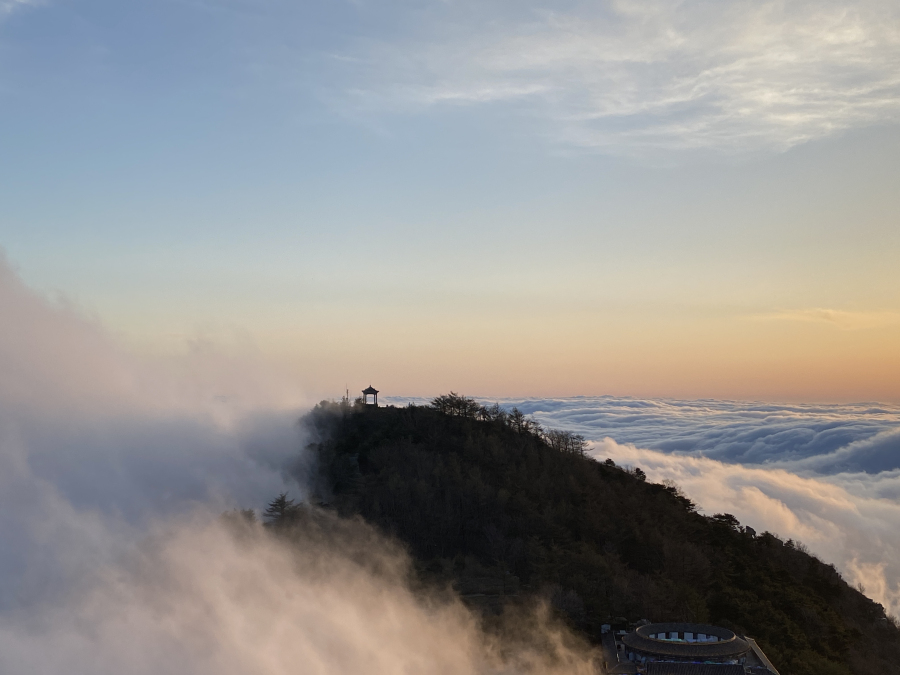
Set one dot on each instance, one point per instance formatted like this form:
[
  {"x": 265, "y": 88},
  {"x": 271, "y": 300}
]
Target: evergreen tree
[{"x": 280, "y": 510}]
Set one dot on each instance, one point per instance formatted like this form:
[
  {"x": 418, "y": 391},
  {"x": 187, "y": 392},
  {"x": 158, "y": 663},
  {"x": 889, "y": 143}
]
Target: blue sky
[{"x": 654, "y": 198}]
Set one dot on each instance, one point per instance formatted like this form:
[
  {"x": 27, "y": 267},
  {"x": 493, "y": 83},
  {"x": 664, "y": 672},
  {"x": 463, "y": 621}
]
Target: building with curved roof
[{"x": 685, "y": 649}]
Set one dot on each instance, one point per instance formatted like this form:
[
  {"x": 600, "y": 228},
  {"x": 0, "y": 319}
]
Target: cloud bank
[
  {"x": 815, "y": 437},
  {"x": 96, "y": 444},
  {"x": 114, "y": 471},
  {"x": 827, "y": 476},
  {"x": 833, "y": 517},
  {"x": 824, "y": 475},
  {"x": 204, "y": 597},
  {"x": 635, "y": 77}
]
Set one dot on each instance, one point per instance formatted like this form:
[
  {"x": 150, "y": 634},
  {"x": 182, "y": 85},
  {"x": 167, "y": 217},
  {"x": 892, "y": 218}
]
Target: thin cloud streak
[
  {"x": 839, "y": 318},
  {"x": 9, "y": 6}
]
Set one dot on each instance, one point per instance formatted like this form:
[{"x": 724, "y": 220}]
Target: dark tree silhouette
[
  {"x": 490, "y": 502},
  {"x": 280, "y": 510}
]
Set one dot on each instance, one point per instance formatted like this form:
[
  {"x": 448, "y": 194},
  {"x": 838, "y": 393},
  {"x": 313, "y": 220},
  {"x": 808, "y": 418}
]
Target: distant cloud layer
[
  {"x": 849, "y": 520},
  {"x": 820, "y": 438},
  {"x": 636, "y": 77},
  {"x": 825, "y": 475}
]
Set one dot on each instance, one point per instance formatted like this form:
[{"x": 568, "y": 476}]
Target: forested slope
[{"x": 505, "y": 509}]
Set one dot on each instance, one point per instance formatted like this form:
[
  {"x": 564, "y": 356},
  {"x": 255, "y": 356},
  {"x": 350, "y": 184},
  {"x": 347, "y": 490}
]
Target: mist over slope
[
  {"x": 97, "y": 444},
  {"x": 114, "y": 555},
  {"x": 487, "y": 499},
  {"x": 226, "y": 596}
]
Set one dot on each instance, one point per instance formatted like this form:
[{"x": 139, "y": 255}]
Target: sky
[{"x": 653, "y": 199}]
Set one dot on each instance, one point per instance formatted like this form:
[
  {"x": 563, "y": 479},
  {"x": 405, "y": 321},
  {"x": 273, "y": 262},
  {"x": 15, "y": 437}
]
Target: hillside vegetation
[{"x": 503, "y": 510}]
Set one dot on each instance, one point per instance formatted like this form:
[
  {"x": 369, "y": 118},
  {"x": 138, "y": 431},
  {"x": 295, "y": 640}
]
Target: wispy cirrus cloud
[
  {"x": 9, "y": 6},
  {"x": 839, "y": 318},
  {"x": 640, "y": 76}
]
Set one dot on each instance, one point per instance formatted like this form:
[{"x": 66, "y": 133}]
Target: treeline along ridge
[{"x": 504, "y": 509}]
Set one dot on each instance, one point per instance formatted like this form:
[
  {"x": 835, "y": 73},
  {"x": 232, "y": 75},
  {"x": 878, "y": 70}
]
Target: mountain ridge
[{"x": 502, "y": 509}]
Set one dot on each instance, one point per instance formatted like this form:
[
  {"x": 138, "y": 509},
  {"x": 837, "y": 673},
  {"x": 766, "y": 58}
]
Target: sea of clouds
[
  {"x": 825, "y": 475},
  {"x": 115, "y": 471}
]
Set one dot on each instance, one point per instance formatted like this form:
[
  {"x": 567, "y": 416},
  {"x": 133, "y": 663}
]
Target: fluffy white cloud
[
  {"x": 200, "y": 597},
  {"x": 852, "y": 528},
  {"x": 95, "y": 443},
  {"x": 113, "y": 473},
  {"x": 633, "y": 77},
  {"x": 825, "y": 475}
]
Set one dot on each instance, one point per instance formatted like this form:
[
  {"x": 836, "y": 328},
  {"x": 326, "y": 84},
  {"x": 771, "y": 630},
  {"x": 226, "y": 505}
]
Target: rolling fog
[{"x": 114, "y": 473}]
